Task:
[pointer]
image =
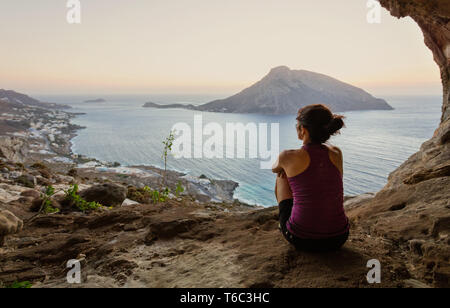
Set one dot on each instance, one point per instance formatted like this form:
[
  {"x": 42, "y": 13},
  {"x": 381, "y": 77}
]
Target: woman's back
[{"x": 318, "y": 210}]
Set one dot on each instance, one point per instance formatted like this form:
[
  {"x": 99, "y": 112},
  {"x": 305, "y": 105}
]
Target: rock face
[
  {"x": 9, "y": 224},
  {"x": 105, "y": 194},
  {"x": 284, "y": 91},
  {"x": 413, "y": 209},
  {"x": 13, "y": 148}
]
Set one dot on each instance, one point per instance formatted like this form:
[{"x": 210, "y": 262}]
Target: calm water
[{"x": 374, "y": 143}]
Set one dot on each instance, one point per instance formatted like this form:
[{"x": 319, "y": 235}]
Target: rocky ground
[{"x": 185, "y": 243}]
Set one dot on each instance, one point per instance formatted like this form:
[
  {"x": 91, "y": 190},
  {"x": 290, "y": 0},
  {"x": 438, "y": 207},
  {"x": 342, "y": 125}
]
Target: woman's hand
[{"x": 282, "y": 174}]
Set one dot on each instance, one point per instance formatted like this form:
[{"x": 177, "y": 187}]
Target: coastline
[{"x": 46, "y": 135}]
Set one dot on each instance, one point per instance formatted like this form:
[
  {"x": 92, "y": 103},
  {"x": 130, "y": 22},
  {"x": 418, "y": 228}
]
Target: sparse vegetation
[
  {"x": 168, "y": 143},
  {"x": 148, "y": 195},
  {"x": 19, "y": 285},
  {"x": 75, "y": 200},
  {"x": 156, "y": 195},
  {"x": 179, "y": 190},
  {"x": 47, "y": 205}
]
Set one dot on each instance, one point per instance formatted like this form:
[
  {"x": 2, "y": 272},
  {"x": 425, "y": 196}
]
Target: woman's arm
[{"x": 278, "y": 166}]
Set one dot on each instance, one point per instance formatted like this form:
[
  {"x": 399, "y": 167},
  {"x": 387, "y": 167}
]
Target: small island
[
  {"x": 98, "y": 100},
  {"x": 170, "y": 106}
]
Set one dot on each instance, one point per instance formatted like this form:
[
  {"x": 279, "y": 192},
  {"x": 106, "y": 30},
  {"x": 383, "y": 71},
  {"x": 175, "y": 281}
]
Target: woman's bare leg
[{"x": 282, "y": 188}]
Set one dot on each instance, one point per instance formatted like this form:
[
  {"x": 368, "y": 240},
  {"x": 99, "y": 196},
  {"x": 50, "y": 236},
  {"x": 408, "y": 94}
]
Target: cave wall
[
  {"x": 412, "y": 212},
  {"x": 433, "y": 17}
]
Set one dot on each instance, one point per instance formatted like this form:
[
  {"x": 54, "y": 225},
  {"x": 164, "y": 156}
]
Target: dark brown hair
[{"x": 320, "y": 122}]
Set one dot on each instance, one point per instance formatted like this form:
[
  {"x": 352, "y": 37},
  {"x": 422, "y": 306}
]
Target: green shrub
[
  {"x": 47, "y": 205},
  {"x": 76, "y": 201},
  {"x": 179, "y": 189},
  {"x": 20, "y": 285},
  {"x": 147, "y": 195}
]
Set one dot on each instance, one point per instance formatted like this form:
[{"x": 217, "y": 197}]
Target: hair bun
[{"x": 335, "y": 124}]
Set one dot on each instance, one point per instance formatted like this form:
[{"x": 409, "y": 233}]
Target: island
[
  {"x": 98, "y": 100},
  {"x": 170, "y": 106},
  {"x": 284, "y": 91}
]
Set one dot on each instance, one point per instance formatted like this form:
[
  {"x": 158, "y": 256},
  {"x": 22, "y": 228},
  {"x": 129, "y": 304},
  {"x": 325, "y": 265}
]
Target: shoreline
[
  {"x": 46, "y": 135},
  {"x": 232, "y": 185}
]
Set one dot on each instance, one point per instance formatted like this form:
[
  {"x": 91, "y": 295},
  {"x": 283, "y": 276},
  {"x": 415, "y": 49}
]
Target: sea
[{"x": 374, "y": 143}]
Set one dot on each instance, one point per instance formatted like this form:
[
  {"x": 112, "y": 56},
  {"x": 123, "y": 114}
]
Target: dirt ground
[{"x": 187, "y": 245}]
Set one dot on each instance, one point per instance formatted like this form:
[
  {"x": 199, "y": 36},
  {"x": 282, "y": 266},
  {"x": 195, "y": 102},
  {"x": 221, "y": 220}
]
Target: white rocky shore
[{"x": 34, "y": 134}]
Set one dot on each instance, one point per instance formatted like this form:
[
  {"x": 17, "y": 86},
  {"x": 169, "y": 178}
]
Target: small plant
[
  {"x": 156, "y": 195},
  {"x": 147, "y": 189},
  {"x": 168, "y": 143},
  {"x": 20, "y": 285},
  {"x": 179, "y": 189},
  {"x": 46, "y": 206},
  {"x": 164, "y": 195},
  {"x": 148, "y": 195},
  {"x": 75, "y": 200}
]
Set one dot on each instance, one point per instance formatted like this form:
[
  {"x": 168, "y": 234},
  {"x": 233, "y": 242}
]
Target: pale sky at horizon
[{"x": 206, "y": 46}]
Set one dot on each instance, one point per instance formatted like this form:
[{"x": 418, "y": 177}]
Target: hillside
[{"x": 18, "y": 99}]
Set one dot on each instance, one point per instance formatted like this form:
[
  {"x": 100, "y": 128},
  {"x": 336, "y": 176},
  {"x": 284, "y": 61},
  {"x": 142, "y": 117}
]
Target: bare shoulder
[
  {"x": 290, "y": 155},
  {"x": 334, "y": 150}
]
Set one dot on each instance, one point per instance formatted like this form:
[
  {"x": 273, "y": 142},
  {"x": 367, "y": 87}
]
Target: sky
[{"x": 206, "y": 46}]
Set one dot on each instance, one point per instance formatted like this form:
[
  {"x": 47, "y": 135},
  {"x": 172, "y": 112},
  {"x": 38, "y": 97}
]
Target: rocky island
[
  {"x": 284, "y": 91},
  {"x": 98, "y": 100},
  {"x": 169, "y": 106}
]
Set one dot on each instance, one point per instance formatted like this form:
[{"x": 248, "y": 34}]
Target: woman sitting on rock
[{"x": 309, "y": 186}]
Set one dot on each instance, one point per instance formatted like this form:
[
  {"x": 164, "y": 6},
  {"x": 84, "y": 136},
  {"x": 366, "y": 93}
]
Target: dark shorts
[{"x": 313, "y": 245}]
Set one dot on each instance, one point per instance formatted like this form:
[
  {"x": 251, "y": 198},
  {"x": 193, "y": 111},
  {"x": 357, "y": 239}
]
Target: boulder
[
  {"x": 107, "y": 194},
  {"x": 27, "y": 180},
  {"x": 128, "y": 202},
  {"x": 13, "y": 148},
  {"x": 31, "y": 194},
  {"x": 9, "y": 224}
]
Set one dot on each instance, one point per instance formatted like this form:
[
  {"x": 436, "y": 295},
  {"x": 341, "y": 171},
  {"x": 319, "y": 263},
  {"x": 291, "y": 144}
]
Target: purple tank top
[{"x": 318, "y": 192}]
